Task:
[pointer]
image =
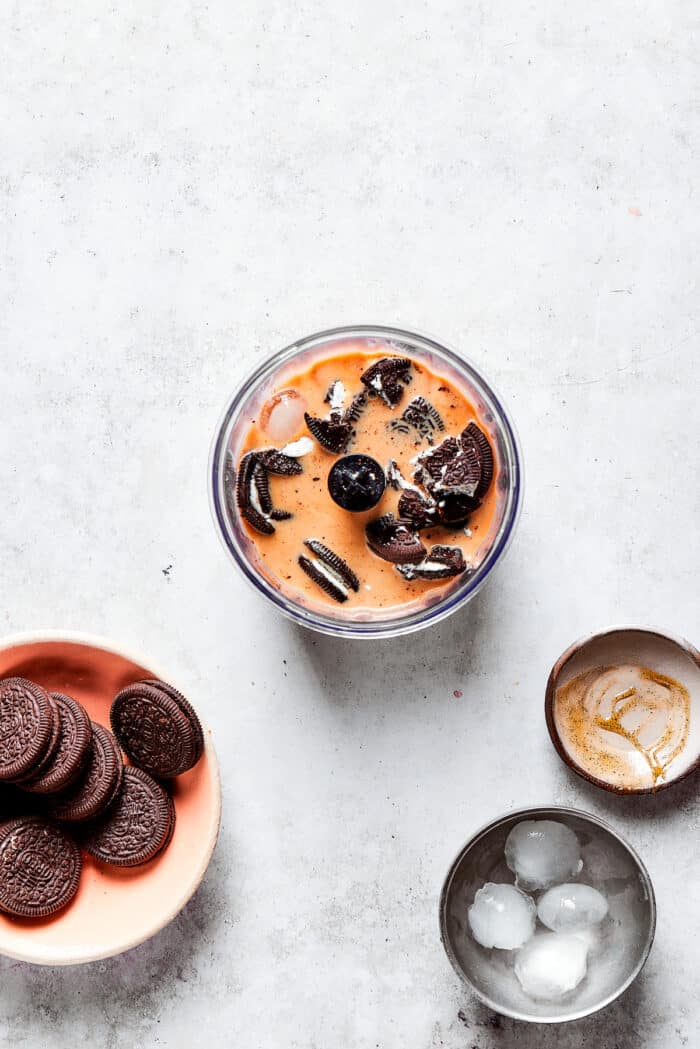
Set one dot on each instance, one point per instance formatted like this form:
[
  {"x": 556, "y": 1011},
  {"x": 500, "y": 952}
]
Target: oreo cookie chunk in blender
[{"x": 366, "y": 480}]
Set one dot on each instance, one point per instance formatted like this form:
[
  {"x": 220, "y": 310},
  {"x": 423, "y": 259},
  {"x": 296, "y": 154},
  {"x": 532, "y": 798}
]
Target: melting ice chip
[
  {"x": 542, "y": 853},
  {"x": 570, "y": 908},
  {"x": 551, "y": 964},
  {"x": 501, "y": 916},
  {"x": 283, "y": 415}
]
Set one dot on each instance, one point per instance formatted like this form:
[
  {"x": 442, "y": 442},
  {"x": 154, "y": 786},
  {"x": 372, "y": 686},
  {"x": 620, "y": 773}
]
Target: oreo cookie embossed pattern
[{"x": 64, "y": 784}]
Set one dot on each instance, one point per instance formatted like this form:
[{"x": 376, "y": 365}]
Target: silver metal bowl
[{"x": 610, "y": 864}]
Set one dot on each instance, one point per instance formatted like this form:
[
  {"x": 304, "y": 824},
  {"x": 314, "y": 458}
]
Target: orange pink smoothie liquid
[{"x": 317, "y": 516}]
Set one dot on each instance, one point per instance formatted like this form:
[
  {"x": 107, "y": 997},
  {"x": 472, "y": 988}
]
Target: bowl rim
[
  {"x": 550, "y": 692},
  {"x": 83, "y": 955},
  {"x": 541, "y": 811},
  {"x": 360, "y": 629}
]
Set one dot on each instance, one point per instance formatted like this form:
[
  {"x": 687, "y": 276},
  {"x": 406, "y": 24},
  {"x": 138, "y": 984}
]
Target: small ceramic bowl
[
  {"x": 638, "y": 646},
  {"x": 610, "y": 864},
  {"x": 115, "y": 909}
]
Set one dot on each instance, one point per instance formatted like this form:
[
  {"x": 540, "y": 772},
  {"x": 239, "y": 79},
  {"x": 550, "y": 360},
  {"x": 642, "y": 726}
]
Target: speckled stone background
[{"x": 187, "y": 187}]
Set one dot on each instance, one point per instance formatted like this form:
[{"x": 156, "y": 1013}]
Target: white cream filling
[
  {"x": 297, "y": 448},
  {"x": 337, "y": 398},
  {"x": 329, "y": 574},
  {"x": 394, "y": 476},
  {"x": 255, "y": 501}
]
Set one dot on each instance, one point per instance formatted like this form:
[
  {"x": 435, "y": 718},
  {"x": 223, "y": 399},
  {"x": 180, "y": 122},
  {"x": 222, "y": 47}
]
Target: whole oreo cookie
[
  {"x": 137, "y": 826},
  {"x": 187, "y": 709},
  {"x": 47, "y": 757},
  {"x": 97, "y": 786},
  {"x": 157, "y": 728},
  {"x": 39, "y": 868},
  {"x": 26, "y": 727},
  {"x": 74, "y": 738}
]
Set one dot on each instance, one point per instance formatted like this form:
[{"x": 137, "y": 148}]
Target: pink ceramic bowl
[{"x": 115, "y": 909}]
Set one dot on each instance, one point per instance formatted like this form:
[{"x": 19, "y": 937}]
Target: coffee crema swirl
[{"x": 623, "y": 724}]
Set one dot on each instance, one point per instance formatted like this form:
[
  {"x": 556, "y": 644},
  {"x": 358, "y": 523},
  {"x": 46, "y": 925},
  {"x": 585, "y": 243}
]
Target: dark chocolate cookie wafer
[
  {"x": 157, "y": 728},
  {"x": 247, "y": 494},
  {"x": 39, "y": 867},
  {"x": 74, "y": 738},
  {"x": 186, "y": 708},
  {"x": 332, "y": 434},
  {"x": 393, "y": 539},
  {"x": 26, "y": 726},
  {"x": 51, "y": 748},
  {"x": 473, "y": 433},
  {"x": 415, "y": 508},
  {"x": 441, "y": 562},
  {"x": 98, "y": 784},
  {"x": 386, "y": 378},
  {"x": 138, "y": 825}
]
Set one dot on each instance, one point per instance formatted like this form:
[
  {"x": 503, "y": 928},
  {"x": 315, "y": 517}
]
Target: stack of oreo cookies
[{"x": 64, "y": 786}]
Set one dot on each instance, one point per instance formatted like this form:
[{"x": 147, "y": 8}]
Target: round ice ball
[
  {"x": 572, "y": 907},
  {"x": 283, "y": 415},
  {"x": 542, "y": 853},
  {"x": 551, "y": 964},
  {"x": 501, "y": 916}
]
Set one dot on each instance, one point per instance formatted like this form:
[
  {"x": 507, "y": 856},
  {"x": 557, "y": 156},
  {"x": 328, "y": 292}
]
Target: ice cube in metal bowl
[{"x": 618, "y": 950}]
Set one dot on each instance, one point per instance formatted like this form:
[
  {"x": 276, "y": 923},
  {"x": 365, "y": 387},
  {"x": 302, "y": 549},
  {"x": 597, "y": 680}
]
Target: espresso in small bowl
[{"x": 622, "y": 709}]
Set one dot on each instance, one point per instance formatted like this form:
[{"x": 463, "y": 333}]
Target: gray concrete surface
[{"x": 185, "y": 188}]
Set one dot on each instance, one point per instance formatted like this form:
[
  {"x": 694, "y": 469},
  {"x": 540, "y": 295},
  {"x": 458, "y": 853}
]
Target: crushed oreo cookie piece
[
  {"x": 335, "y": 397},
  {"x": 474, "y": 434},
  {"x": 261, "y": 483},
  {"x": 442, "y": 562},
  {"x": 454, "y": 510},
  {"x": 334, "y": 562},
  {"x": 332, "y": 434},
  {"x": 462, "y": 475},
  {"x": 252, "y": 488},
  {"x": 449, "y": 468},
  {"x": 247, "y": 497},
  {"x": 417, "y": 509},
  {"x": 394, "y": 478},
  {"x": 279, "y": 462},
  {"x": 356, "y": 407},
  {"x": 394, "y": 539},
  {"x": 387, "y": 377},
  {"x": 431, "y": 464},
  {"x": 420, "y": 415},
  {"x": 324, "y": 577}
]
